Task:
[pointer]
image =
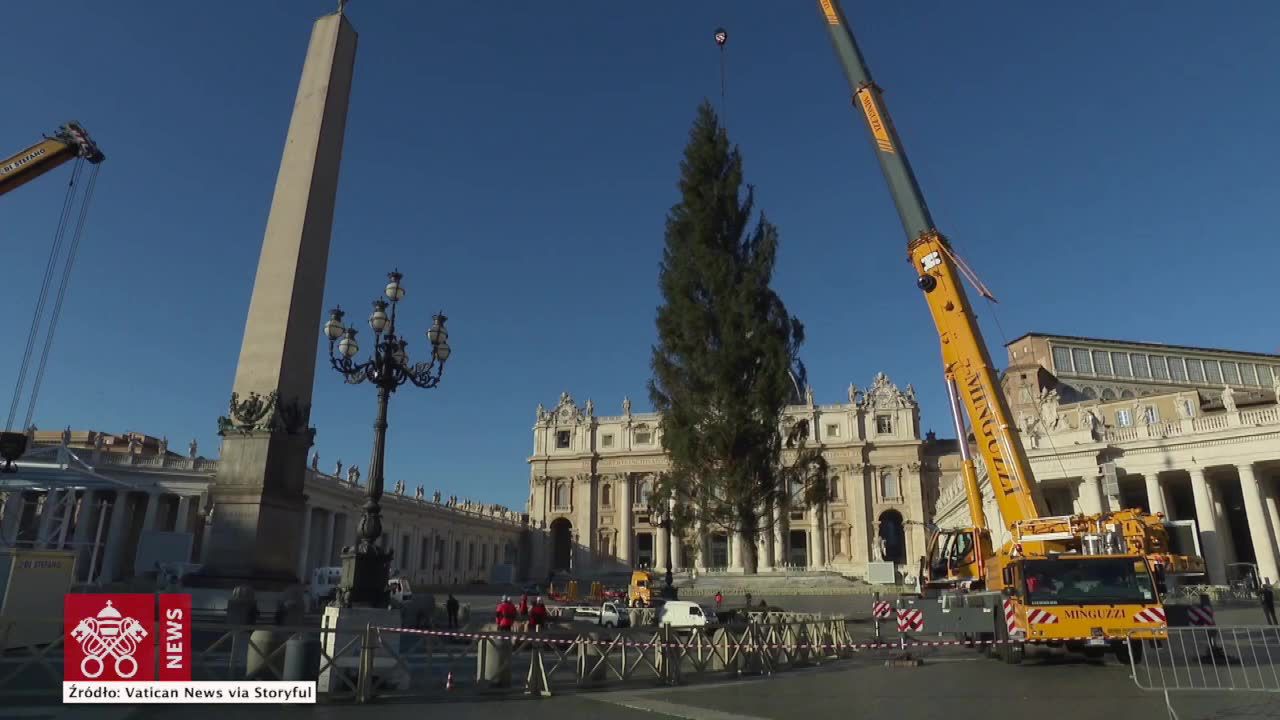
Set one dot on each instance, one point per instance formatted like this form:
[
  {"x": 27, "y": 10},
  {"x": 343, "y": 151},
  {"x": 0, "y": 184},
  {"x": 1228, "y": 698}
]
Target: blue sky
[{"x": 1108, "y": 169}]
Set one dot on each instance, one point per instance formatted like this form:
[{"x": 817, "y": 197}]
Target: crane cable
[
  {"x": 38, "y": 313},
  {"x": 69, "y": 205},
  {"x": 62, "y": 292}
]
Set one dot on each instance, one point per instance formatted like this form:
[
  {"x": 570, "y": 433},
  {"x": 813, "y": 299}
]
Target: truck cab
[
  {"x": 640, "y": 592},
  {"x": 1083, "y": 603}
]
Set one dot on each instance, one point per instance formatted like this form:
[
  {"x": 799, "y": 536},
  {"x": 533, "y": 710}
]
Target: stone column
[
  {"x": 262, "y": 472},
  {"x": 700, "y": 547},
  {"x": 820, "y": 539},
  {"x": 14, "y": 504},
  {"x": 660, "y": 549},
  {"x": 1256, "y": 512},
  {"x": 625, "y": 533},
  {"x": 1155, "y": 495},
  {"x": 781, "y": 555},
  {"x": 182, "y": 523},
  {"x": 1224, "y": 525},
  {"x": 326, "y": 550},
  {"x": 766, "y": 559},
  {"x": 153, "y": 508},
  {"x": 116, "y": 531},
  {"x": 1273, "y": 511},
  {"x": 735, "y": 550},
  {"x": 304, "y": 552},
  {"x": 86, "y": 528},
  {"x": 1091, "y": 495},
  {"x": 1206, "y": 520},
  {"x": 47, "y": 512}
]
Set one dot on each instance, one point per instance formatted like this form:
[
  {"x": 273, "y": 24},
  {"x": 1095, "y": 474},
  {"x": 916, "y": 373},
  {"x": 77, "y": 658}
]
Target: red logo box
[
  {"x": 117, "y": 638},
  {"x": 175, "y": 637},
  {"x": 109, "y": 638}
]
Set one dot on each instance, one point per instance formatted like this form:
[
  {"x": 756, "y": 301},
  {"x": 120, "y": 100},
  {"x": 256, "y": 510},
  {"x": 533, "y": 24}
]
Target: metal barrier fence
[
  {"x": 1207, "y": 659},
  {"x": 407, "y": 662}
]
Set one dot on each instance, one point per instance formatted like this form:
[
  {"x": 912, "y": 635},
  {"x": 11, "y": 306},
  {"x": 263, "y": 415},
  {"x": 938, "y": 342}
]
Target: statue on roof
[
  {"x": 626, "y": 402},
  {"x": 337, "y": 469},
  {"x": 163, "y": 449},
  {"x": 315, "y": 462},
  {"x": 66, "y": 436},
  {"x": 191, "y": 449},
  {"x": 1229, "y": 399}
]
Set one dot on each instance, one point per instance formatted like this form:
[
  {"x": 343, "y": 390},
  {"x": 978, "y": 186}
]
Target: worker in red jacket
[
  {"x": 537, "y": 615},
  {"x": 507, "y": 614},
  {"x": 524, "y": 605}
]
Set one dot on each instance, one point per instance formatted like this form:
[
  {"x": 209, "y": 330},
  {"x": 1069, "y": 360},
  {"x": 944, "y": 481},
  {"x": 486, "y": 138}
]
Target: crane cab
[{"x": 956, "y": 559}]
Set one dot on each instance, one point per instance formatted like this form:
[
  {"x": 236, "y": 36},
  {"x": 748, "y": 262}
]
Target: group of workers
[{"x": 534, "y": 616}]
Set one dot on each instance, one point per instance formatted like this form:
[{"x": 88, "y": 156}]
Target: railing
[
  {"x": 1261, "y": 416},
  {"x": 1164, "y": 429},
  {"x": 1209, "y": 423},
  {"x": 1124, "y": 434},
  {"x": 166, "y": 462},
  {"x": 386, "y": 662},
  {"x": 1215, "y": 659}
]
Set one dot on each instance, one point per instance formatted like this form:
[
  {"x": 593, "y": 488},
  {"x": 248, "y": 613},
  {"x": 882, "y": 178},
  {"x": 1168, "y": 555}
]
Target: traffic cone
[{"x": 448, "y": 682}]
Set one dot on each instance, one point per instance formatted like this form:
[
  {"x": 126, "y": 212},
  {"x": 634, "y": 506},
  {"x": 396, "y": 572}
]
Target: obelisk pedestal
[{"x": 257, "y": 495}]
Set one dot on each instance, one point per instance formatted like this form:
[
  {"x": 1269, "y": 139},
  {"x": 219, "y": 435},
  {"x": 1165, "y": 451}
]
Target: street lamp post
[
  {"x": 666, "y": 524},
  {"x": 366, "y": 565}
]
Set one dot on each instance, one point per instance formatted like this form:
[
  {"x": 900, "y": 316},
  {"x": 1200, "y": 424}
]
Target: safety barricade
[{"x": 1207, "y": 658}]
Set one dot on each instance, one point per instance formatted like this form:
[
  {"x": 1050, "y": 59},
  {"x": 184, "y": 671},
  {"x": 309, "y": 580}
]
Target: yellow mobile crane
[
  {"x": 1077, "y": 582},
  {"x": 69, "y": 142}
]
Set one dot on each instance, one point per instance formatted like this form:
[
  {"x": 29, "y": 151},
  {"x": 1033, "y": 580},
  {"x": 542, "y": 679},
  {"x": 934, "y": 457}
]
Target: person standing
[
  {"x": 451, "y": 609},
  {"x": 537, "y": 616},
  {"x": 1268, "y": 601},
  {"x": 507, "y": 614}
]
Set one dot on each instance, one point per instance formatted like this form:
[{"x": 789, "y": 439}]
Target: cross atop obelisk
[{"x": 266, "y": 434}]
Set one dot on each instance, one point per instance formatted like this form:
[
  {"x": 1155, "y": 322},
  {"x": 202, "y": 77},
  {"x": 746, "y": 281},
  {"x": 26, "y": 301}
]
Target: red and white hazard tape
[{"x": 883, "y": 644}]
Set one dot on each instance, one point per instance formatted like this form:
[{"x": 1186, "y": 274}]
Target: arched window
[
  {"x": 606, "y": 496},
  {"x": 1108, "y": 394},
  {"x": 1089, "y": 393},
  {"x": 562, "y": 495},
  {"x": 888, "y": 485},
  {"x": 833, "y": 489},
  {"x": 1126, "y": 394}
]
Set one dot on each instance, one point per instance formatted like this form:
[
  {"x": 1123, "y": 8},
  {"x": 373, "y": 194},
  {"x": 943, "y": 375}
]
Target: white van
[
  {"x": 324, "y": 585},
  {"x": 400, "y": 591},
  {"x": 684, "y": 614}
]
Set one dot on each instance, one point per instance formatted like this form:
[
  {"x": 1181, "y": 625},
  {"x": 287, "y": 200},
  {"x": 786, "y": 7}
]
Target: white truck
[
  {"x": 325, "y": 582},
  {"x": 610, "y": 614}
]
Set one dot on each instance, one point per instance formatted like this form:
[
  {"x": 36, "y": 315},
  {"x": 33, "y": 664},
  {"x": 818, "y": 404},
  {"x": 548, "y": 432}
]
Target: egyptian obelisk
[{"x": 257, "y": 495}]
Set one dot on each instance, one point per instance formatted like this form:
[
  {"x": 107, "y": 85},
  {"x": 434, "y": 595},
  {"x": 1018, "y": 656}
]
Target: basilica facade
[{"x": 592, "y": 477}]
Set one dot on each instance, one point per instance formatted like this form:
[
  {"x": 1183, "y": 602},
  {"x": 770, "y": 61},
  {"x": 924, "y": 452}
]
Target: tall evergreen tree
[{"x": 726, "y": 362}]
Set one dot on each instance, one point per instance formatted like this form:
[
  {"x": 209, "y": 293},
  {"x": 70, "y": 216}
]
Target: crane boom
[
  {"x": 69, "y": 142},
  {"x": 964, "y": 352}
]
